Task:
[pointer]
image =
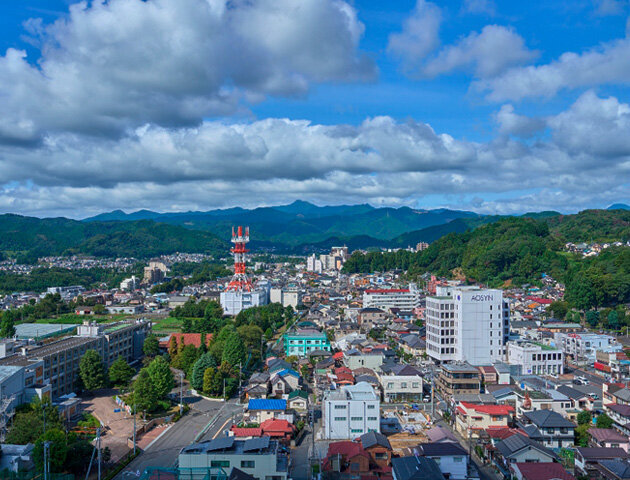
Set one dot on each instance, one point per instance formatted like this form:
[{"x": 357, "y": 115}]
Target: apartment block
[
  {"x": 383, "y": 298},
  {"x": 303, "y": 341},
  {"x": 458, "y": 379}
]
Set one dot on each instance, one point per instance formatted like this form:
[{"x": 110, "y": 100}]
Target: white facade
[
  {"x": 129, "y": 284},
  {"x": 401, "y": 387},
  {"x": 403, "y": 298},
  {"x": 467, "y": 324},
  {"x": 233, "y": 301},
  {"x": 314, "y": 264},
  {"x": 350, "y": 412},
  {"x": 582, "y": 346},
  {"x": 285, "y": 296},
  {"x": 535, "y": 359}
]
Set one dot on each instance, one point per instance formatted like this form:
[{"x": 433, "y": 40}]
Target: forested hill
[
  {"x": 519, "y": 250},
  {"x": 27, "y": 238}
]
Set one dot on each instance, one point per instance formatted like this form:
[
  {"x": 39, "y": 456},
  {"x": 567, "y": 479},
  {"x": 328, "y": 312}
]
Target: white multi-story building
[
  {"x": 383, "y": 298},
  {"x": 467, "y": 324},
  {"x": 290, "y": 296},
  {"x": 351, "y": 411},
  {"x": 583, "y": 346},
  {"x": 314, "y": 264},
  {"x": 233, "y": 302},
  {"x": 536, "y": 359}
]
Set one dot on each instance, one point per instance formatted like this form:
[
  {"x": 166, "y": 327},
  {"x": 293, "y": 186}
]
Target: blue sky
[{"x": 392, "y": 103}]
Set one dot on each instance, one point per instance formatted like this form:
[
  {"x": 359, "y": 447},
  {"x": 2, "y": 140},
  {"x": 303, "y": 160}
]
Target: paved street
[{"x": 164, "y": 451}]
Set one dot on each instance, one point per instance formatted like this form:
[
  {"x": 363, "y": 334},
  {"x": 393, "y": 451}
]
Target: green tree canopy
[
  {"x": 584, "y": 418},
  {"x": 92, "y": 371},
  {"x": 161, "y": 376},
  {"x": 120, "y": 372},
  {"x": 201, "y": 365},
  {"x": 145, "y": 396},
  {"x": 7, "y": 326},
  {"x": 604, "y": 421},
  {"x": 151, "y": 346},
  {"x": 57, "y": 450},
  {"x": 234, "y": 351}
]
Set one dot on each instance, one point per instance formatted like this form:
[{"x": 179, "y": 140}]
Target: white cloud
[
  {"x": 381, "y": 161},
  {"x": 486, "y": 7},
  {"x": 109, "y": 66},
  {"x": 485, "y": 54},
  {"x": 610, "y": 7},
  {"x": 608, "y": 63},
  {"x": 511, "y": 123},
  {"x": 419, "y": 36}
]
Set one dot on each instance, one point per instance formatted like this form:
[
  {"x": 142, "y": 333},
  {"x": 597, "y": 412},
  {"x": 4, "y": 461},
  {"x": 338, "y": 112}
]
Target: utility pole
[
  {"x": 181, "y": 393},
  {"x": 224, "y": 389},
  {"x": 240, "y": 374},
  {"x": 98, "y": 451},
  {"x": 134, "y": 428}
]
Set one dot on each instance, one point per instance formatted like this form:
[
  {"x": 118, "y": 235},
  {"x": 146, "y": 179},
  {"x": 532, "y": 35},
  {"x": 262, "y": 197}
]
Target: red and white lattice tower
[{"x": 240, "y": 282}]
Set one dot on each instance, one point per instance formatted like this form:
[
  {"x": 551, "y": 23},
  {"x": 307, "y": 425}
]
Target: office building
[
  {"x": 401, "y": 298},
  {"x": 350, "y": 412},
  {"x": 467, "y": 324},
  {"x": 535, "y": 358},
  {"x": 583, "y": 346}
]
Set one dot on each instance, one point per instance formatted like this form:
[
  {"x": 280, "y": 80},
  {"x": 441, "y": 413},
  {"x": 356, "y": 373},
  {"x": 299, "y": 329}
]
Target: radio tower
[{"x": 240, "y": 282}]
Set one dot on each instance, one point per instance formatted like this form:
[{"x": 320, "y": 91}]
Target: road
[{"x": 204, "y": 414}]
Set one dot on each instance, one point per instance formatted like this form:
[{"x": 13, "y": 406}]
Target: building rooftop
[{"x": 360, "y": 391}]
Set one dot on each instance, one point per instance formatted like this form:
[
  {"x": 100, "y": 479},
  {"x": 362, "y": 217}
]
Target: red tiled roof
[
  {"x": 542, "y": 471},
  {"x": 501, "y": 433},
  {"x": 338, "y": 356},
  {"x": 542, "y": 301},
  {"x": 246, "y": 432},
  {"x": 346, "y": 448},
  {"x": 277, "y": 426},
  {"x": 489, "y": 409},
  {"x": 189, "y": 339}
]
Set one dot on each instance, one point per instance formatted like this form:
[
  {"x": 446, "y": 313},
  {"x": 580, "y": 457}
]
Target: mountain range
[{"x": 298, "y": 228}]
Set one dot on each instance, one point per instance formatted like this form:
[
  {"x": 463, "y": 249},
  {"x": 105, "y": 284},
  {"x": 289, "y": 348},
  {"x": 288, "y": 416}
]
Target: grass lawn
[{"x": 167, "y": 325}]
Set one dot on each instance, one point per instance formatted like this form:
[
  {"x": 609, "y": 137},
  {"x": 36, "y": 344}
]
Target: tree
[
  {"x": 161, "y": 376},
  {"x": 199, "y": 369},
  {"x": 187, "y": 325},
  {"x": 172, "y": 347},
  {"x": 613, "y": 320},
  {"x": 57, "y": 450},
  {"x": 584, "y": 418},
  {"x": 234, "y": 351},
  {"x": 144, "y": 395},
  {"x": 99, "y": 309},
  {"x": 558, "y": 309},
  {"x": 120, "y": 372},
  {"x": 92, "y": 371},
  {"x": 187, "y": 358},
  {"x": 209, "y": 380},
  {"x": 592, "y": 318},
  {"x": 213, "y": 310},
  {"x": 151, "y": 346},
  {"x": 603, "y": 421},
  {"x": 7, "y": 327}
]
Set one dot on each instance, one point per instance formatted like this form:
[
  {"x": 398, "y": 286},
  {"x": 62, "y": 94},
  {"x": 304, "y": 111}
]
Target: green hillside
[{"x": 27, "y": 238}]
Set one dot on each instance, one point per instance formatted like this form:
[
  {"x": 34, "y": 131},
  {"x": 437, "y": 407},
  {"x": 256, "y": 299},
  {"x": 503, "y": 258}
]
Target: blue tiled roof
[{"x": 266, "y": 404}]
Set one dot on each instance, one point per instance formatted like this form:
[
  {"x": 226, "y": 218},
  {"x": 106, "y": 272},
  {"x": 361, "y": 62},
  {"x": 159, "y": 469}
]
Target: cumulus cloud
[
  {"x": 419, "y": 36},
  {"x": 510, "y": 123},
  {"x": 605, "y": 64},
  {"x": 485, "y": 54},
  {"x": 110, "y": 66},
  {"x": 486, "y": 7},
  {"x": 381, "y": 161}
]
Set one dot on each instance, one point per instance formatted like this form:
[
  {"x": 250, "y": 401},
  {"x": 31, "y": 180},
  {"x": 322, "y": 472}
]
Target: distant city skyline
[{"x": 177, "y": 105}]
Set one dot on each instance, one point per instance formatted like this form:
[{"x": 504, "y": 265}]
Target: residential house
[
  {"x": 540, "y": 471},
  {"x": 588, "y": 458},
  {"x": 400, "y": 383},
  {"x": 472, "y": 419},
  {"x": 549, "y": 428},
  {"x": 614, "y": 469},
  {"x": 579, "y": 400},
  {"x": 260, "y": 410},
  {"x": 416, "y": 468},
  {"x": 284, "y": 381},
  {"x": 439, "y": 434},
  {"x": 350, "y": 460},
  {"x": 413, "y": 345},
  {"x": 452, "y": 458},
  {"x": 378, "y": 447},
  {"x": 608, "y": 438},
  {"x": 457, "y": 378},
  {"x": 519, "y": 448},
  {"x": 298, "y": 401},
  {"x": 620, "y": 415},
  {"x": 278, "y": 428}
]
